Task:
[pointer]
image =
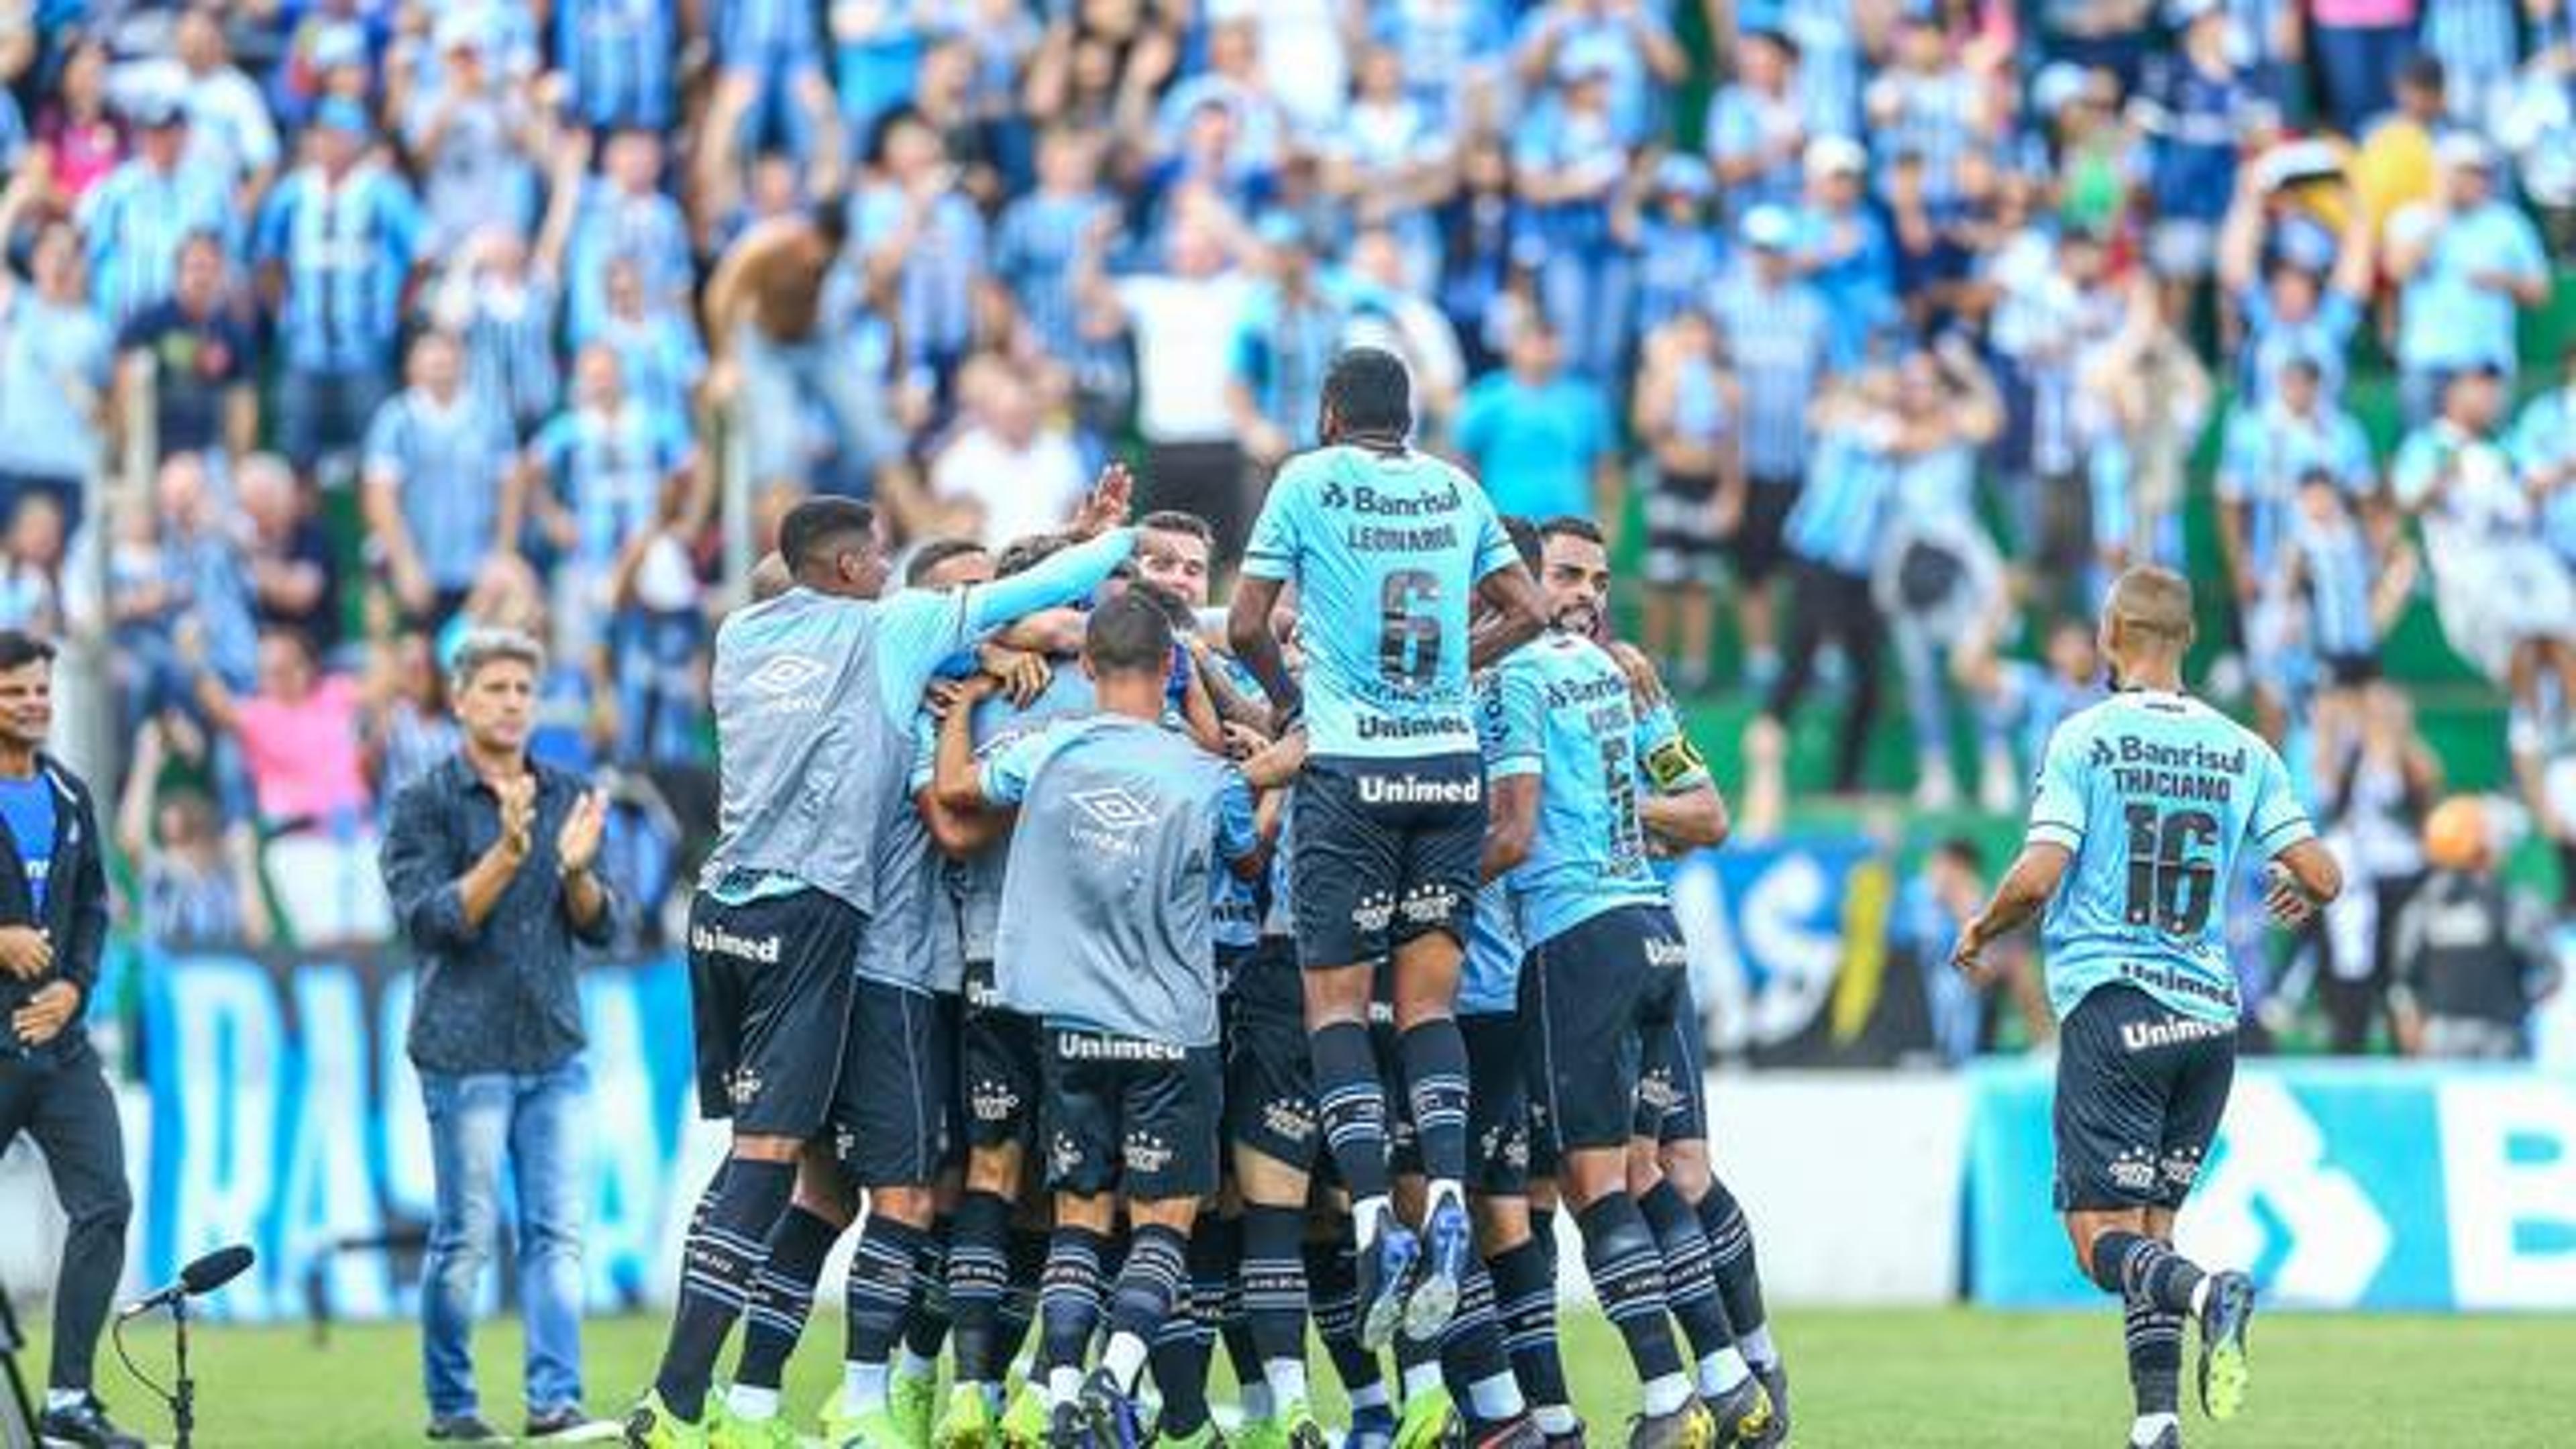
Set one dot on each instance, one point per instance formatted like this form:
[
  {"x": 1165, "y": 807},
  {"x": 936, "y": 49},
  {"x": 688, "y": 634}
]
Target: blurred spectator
[
  {"x": 1008, "y": 471},
  {"x": 55, "y": 365},
  {"x": 1193, "y": 461},
  {"x": 2196, "y": 112},
  {"x": 78, "y": 142},
  {"x": 31, "y": 568},
  {"x": 619, "y": 60},
  {"x": 201, "y": 550},
  {"x": 2395, "y": 166},
  {"x": 1390, "y": 310},
  {"x": 2055, "y": 303},
  {"x": 1778, "y": 332},
  {"x": 1623, "y": 42},
  {"x": 410, "y": 727},
  {"x": 294, "y": 580},
  {"x": 2268, "y": 451},
  {"x": 1539, "y": 441},
  {"x": 336, "y": 242},
  {"x": 475, "y": 137},
  {"x": 2360, "y": 46},
  {"x": 2473, "y": 955},
  {"x": 230, "y": 134},
  {"x": 2020, "y": 703},
  {"x": 622, "y": 213},
  {"x": 2544, "y": 450},
  {"x": 198, "y": 352},
  {"x": 2537, "y": 123},
  {"x": 921, "y": 242},
  {"x": 199, "y": 882},
  {"x": 1233, "y": 85},
  {"x": 1936, "y": 573},
  {"x": 602, "y": 469},
  {"x": 1680, "y": 256},
  {"x": 658, "y": 353},
  {"x": 1481, "y": 229},
  {"x": 2290, "y": 307},
  {"x": 2505, "y": 601},
  {"x": 1390, "y": 161},
  {"x": 2467, "y": 261},
  {"x": 1923, "y": 103},
  {"x": 441, "y": 494},
  {"x": 789, "y": 354},
  {"x": 138, "y": 219},
  {"x": 1930, "y": 908},
  {"x": 2376, "y": 781},
  {"x": 2478, "y": 43},
  {"x": 499, "y": 300},
  {"x": 1690, "y": 419},
  {"x": 1832, "y": 538},
  {"x": 1292, "y": 324},
  {"x": 299, "y": 737},
  {"x": 1756, "y": 127},
  {"x": 1843, "y": 248},
  {"x": 2142, "y": 399},
  {"x": 1570, "y": 165}
]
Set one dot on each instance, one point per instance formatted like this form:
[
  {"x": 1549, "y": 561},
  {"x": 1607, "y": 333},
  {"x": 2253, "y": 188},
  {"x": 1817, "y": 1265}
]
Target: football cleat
[
  {"x": 1688, "y": 1427},
  {"x": 1384, "y": 1271},
  {"x": 1448, "y": 1243},
  {"x": 2224, "y": 1366},
  {"x": 1743, "y": 1413}
]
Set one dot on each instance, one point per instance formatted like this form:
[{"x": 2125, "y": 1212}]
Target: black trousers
[
  {"x": 1826, "y": 603},
  {"x": 67, "y": 1107}
]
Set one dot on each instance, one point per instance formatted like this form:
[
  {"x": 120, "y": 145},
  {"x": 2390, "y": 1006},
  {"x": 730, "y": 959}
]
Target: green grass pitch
[{"x": 1862, "y": 1380}]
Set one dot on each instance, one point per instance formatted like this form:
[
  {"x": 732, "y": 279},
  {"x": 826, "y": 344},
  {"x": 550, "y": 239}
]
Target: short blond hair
[{"x": 2150, "y": 601}]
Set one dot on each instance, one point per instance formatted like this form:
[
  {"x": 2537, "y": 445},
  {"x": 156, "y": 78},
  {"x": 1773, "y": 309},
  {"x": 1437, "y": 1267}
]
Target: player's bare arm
[
  {"x": 2300, "y": 880},
  {"x": 2019, "y": 897}
]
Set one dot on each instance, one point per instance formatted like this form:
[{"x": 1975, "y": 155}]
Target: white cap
[{"x": 1836, "y": 155}]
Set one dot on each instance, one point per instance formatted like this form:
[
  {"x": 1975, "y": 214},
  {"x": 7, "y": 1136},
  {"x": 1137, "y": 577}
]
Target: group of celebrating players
[{"x": 1165, "y": 978}]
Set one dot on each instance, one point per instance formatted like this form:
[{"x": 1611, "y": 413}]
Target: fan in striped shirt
[{"x": 136, "y": 219}]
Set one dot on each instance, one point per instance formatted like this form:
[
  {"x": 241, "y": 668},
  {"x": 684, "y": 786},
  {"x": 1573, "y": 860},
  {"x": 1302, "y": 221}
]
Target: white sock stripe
[{"x": 741, "y": 1244}]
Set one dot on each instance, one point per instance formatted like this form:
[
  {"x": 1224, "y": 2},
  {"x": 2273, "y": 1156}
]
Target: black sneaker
[
  {"x": 1573, "y": 1440},
  {"x": 463, "y": 1429},
  {"x": 2224, "y": 1366},
  {"x": 566, "y": 1424},
  {"x": 84, "y": 1425}
]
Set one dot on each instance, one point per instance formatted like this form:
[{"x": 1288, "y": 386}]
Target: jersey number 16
[{"x": 2173, "y": 884}]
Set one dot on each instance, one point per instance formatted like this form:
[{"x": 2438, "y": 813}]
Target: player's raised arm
[{"x": 956, "y": 781}]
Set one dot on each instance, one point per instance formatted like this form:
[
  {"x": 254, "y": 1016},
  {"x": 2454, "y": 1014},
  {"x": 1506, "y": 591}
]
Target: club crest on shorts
[
  {"x": 2134, "y": 1170},
  {"x": 743, "y": 1086},
  {"x": 1145, "y": 1152}
]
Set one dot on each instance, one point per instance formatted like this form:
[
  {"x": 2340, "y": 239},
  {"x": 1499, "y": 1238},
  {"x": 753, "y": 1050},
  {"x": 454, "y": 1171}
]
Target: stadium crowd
[{"x": 388, "y": 319}]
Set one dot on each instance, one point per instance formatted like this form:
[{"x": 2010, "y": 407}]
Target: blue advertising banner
[
  {"x": 1788, "y": 946},
  {"x": 2338, "y": 1185},
  {"x": 285, "y": 1114}
]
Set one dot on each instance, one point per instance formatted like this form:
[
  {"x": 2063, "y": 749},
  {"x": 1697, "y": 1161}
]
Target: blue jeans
[
  {"x": 2358, "y": 66},
  {"x": 477, "y": 1124}
]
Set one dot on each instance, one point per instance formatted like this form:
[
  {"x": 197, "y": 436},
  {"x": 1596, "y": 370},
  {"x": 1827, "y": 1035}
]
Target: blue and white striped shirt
[
  {"x": 772, "y": 37},
  {"x": 1777, "y": 337},
  {"x": 2268, "y": 449},
  {"x": 445, "y": 464},
  {"x": 608, "y": 470},
  {"x": 1840, "y": 513},
  {"x": 510, "y": 360},
  {"x": 347, "y": 250},
  {"x": 936, "y": 288},
  {"x": 1033, "y": 253},
  {"x": 659, "y": 358},
  {"x": 648, "y": 229},
  {"x": 1934, "y": 118},
  {"x": 616, "y": 57},
  {"x": 135, "y": 221},
  {"x": 2339, "y": 571}
]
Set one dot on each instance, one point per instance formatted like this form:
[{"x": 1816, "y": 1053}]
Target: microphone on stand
[{"x": 201, "y": 1277}]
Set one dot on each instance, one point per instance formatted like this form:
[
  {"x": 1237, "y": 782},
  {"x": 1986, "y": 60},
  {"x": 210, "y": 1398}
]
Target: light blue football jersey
[
  {"x": 1386, "y": 551},
  {"x": 1560, "y": 707},
  {"x": 2157, "y": 795}
]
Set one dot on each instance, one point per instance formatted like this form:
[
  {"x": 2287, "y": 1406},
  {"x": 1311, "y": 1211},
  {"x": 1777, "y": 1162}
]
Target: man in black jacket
[{"x": 53, "y": 922}]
